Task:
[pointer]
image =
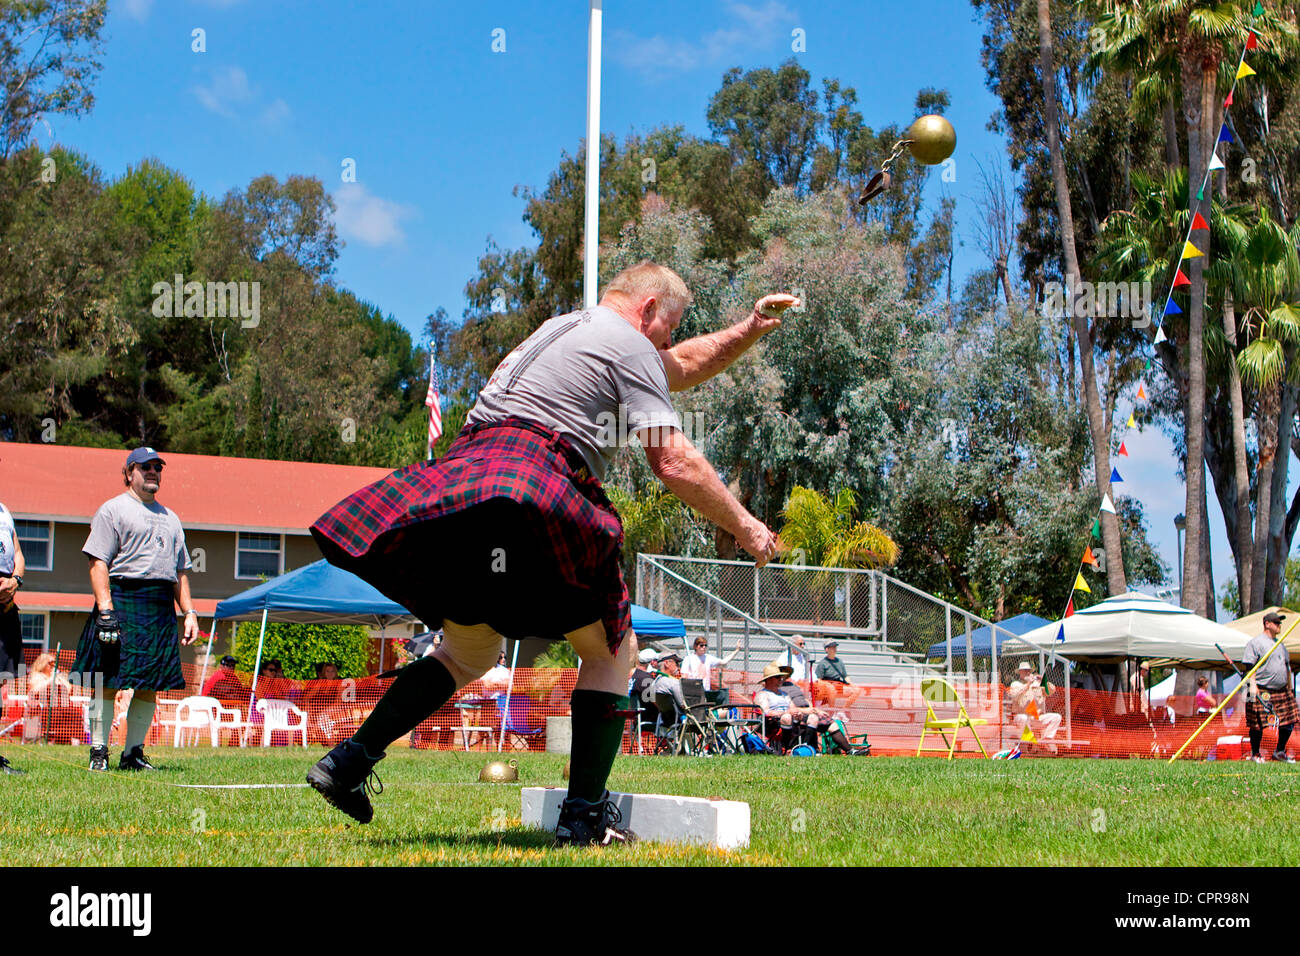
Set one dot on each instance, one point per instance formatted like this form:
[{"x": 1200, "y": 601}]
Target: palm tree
[
  {"x": 1189, "y": 45},
  {"x": 823, "y": 532},
  {"x": 1143, "y": 244},
  {"x": 1266, "y": 284}
]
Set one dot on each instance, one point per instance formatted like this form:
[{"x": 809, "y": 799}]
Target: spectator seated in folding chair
[
  {"x": 784, "y": 723},
  {"x": 829, "y": 731},
  {"x": 523, "y": 727},
  {"x": 678, "y": 730},
  {"x": 640, "y": 695}
]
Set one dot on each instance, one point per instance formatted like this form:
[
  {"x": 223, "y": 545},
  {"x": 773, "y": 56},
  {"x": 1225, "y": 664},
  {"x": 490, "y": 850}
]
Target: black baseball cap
[
  {"x": 143, "y": 454},
  {"x": 229, "y": 661},
  {"x": 671, "y": 656},
  {"x": 1272, "y": 617}
]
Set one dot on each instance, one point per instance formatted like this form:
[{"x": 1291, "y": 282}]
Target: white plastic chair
[
  {"x": 197, "y": 714},
  {"x": 276, "y": 715}
]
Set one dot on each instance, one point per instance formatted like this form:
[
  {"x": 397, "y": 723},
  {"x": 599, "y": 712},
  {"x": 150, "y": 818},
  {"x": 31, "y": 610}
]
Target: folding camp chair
[
  {"x": 936, "y": 690},
  {"x": 719, "y": 731},
  {"x": 677, "y": 732}
]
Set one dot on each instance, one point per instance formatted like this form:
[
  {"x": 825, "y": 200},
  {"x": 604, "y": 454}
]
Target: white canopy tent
[{"x": 1136, "y": 625}]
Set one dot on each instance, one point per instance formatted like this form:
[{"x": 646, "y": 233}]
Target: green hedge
[{"x": 300, "y": 647}]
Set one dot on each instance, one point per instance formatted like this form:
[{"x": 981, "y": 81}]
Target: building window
[
  {"x": 258, "y": 555},
  {"x": 35, "y": 629},
  {"x": 36, "y": 538}
]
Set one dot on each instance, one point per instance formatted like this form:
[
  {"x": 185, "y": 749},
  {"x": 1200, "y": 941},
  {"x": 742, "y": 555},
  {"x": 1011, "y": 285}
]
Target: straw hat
[{"x": 773, "y": 670}]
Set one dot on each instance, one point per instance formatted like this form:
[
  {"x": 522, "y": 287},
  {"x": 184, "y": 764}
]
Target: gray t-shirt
[
  {"x": 1276, "y": 672},
  {"x": 8, "y": 532},
  {"x": 137, "y": 540},
  {"x": 590, "y": 376}
]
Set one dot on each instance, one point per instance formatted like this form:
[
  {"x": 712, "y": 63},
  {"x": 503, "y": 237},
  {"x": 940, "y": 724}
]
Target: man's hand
[
  {"x": 107, "y": 626},
  {"x": 8, "y": 588},
  {"x": 767, "y": 310},
  {"x": 191, "y": 629},
  {"x": 759, "y": 540}
]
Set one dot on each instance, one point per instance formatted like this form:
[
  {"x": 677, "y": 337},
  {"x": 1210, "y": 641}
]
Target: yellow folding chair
[{"x": 936, "y": 690}]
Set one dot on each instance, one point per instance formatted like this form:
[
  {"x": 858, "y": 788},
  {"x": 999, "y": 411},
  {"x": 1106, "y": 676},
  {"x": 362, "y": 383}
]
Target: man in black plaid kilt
[
  {"x": 511, "y": 535},
  {"x": 139, "y": 565},
  {"x": 1270, "y": 691}
]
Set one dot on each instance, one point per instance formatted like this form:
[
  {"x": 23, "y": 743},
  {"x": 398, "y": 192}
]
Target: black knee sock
[
  {"x": 840, "y": 740},
  {"x": 1255, "y": 737},
  {"x": 419, "y": 690},
  {"x": 1283, "y": 735},
  {"x": 597, "y": 739}
]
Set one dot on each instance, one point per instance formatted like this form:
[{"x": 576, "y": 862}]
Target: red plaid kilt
[
  {"x": 508, "y": 529},
  {"x": 1284, "y": 707}
]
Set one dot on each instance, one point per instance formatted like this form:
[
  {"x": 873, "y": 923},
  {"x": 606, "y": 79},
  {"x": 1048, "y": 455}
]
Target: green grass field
[{"x": 822, "y": 811}]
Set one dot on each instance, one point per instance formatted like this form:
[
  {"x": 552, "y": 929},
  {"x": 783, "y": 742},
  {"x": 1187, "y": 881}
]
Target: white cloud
[
  {"x": 756, "y": 27},
  {"x": 276, "y": 113},
  {"x": 369, "y": 219},
  {"x": 138, "y": 9},
  {"x": 229, "y": 89}
]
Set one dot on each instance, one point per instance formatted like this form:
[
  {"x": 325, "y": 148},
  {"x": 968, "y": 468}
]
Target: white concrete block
[{"x": 657, "y": 817}]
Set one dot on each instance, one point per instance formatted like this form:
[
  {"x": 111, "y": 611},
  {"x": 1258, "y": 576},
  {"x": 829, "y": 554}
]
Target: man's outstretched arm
[
  {"x": 689, "y": 476},
  {"x": 696, "y": 360}
]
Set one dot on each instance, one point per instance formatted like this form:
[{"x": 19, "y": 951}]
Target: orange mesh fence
[{"x": 41, "y": 704}]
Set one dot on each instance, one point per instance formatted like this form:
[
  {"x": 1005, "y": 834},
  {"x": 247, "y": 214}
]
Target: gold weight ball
[
  {"x": 498, "y": 772},
  {"x": 933, "y": 139}
]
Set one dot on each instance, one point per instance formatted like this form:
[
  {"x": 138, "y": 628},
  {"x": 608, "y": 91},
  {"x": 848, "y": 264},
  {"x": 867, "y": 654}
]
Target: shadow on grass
[{"x": 523, "y": 839}]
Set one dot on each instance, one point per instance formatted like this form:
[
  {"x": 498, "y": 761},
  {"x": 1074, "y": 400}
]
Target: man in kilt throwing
[
  {"x": 510, "y": 533},
  {"x": 138, "y": 565}
]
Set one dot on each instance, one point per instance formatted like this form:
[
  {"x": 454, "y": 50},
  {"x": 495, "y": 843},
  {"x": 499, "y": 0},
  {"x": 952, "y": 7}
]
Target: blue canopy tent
[
  {"x": 648, "y": 623},
  {"x": 982, "y": 637}
]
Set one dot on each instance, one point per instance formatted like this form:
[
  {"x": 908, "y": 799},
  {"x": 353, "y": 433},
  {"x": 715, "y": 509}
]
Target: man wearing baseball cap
[
  {"x": 1269, "y": 687},
  {"x": 139, "y": 565}
]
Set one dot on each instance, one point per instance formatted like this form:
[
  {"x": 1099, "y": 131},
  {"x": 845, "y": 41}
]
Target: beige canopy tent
[{"x": 1253, "y": 625}]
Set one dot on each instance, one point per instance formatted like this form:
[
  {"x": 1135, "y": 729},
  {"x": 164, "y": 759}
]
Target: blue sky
[{"x": 441, "y": 128}]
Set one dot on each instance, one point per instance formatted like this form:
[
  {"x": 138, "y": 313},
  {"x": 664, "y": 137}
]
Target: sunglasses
[{"x": 151, "y": 466}]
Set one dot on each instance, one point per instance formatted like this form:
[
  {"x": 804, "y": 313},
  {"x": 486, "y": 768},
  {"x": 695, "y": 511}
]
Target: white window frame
[
  {"x": 258, "y": 577},
  {"x": 50, "y": 551},
  {"x": 45, "y": 629}
]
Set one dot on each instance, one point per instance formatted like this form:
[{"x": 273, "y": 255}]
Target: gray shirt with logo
[
  {"x": 137, "y": 540},
  {"x": 1275, "y": 673},
  {"x": 590, "y": 376}
]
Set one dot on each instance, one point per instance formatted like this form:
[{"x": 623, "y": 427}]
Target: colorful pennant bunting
[
  {"x": 1060, "y": 631},
  {"x": 1171, "y": 308},
  {"x": 1253, "y": 42},
  {"x": 1215, "y": 163},
  {"x": 1228, "y": 101},
  {"x": 1181, "y": 279},
  {"x": 1142, "y": 394},
  {"x": 1080, "y": 584},
  {"x": 1160, "y": 336},
  {"x": 1114, "y": 475},
  {"x": 1088, "y": 557},
  {"x": 1198, "y": 222},
  {"x": 1131, "y": 420},
  {"x": 1244, "y": 70},
  {"x": 1190, "y": 251},
  {"x": 1225, "y": 134},
  {"x": 1122, "y": 450},
  {"x": 1106, "y": 505},
  {"x": 1096, "y": 527}
]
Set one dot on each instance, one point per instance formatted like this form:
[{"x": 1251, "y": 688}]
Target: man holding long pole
[
  {"x": 1269, "y": 687},
  {"x": 510, "y": 534}
]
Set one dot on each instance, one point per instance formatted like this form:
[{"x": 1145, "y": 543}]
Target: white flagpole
[{"x": 591, "y": 234}]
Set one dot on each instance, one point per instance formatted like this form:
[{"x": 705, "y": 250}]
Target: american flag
[{"x": 435, "y": 407}]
